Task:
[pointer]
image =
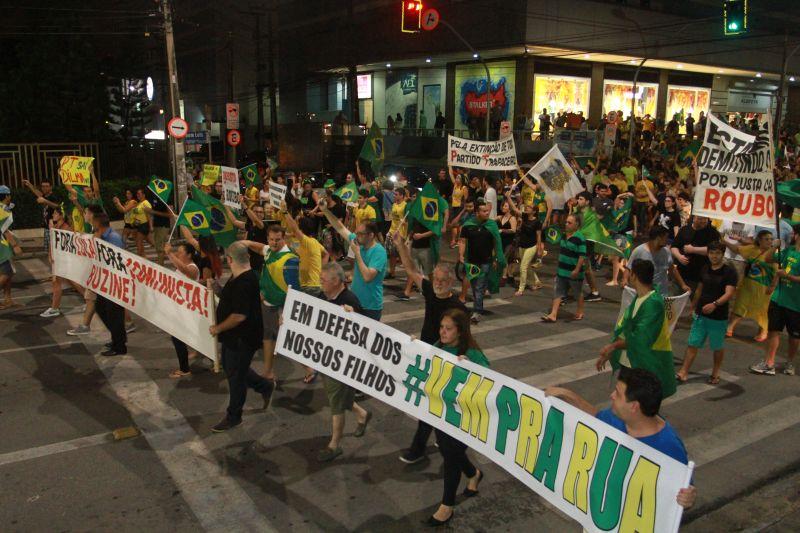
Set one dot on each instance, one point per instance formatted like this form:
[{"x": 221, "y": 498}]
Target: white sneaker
[
  {"x": 475, "y": 318},
  {"x": 50, "y": 312},
  {"x": 130, "y": 327},
  {"x": 80, "y": 330}
]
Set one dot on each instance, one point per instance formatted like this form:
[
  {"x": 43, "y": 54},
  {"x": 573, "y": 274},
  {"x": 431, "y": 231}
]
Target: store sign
[
  {"x": 408, "y": 83},
  {"x": 748, "y": 102},
  {"x": 364, "y": 86}
]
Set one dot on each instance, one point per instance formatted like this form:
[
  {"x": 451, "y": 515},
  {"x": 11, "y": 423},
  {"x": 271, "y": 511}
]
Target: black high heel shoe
[
  {"x": 435, "y": 522},
  {"x": 468, "y": 492}
]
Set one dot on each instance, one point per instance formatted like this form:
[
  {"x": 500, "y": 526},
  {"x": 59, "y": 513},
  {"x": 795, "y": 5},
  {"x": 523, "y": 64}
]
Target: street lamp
[{"x": 620, "y": 14}]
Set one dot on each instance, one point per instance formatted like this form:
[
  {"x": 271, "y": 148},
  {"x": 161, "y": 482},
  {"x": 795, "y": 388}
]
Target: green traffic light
[{"x": 733, "y": 26}]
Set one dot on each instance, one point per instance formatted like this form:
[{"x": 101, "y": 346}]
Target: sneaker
[
  {"x": 763, "y": 368},
  {"x": 592, "y": 297},
  {"x": 788, "y": 369},
  {"x": 50, "y": 312},
  {"x": 80, "y": 330},
  {"x": 403, "y": 298},
  {"x": 411, "y": 458},
  {"x": 225, "y": 424},
  {"x": 130, "y": 327},
  {"x": 475, "y": 318},
  {"x": 328, "y": 454}
]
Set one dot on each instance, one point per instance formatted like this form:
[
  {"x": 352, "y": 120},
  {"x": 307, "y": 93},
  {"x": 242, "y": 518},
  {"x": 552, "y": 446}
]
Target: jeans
[
  {"x": 479, "y": 286},
  {"x": 183, "y": 354},
  {"x": 113, "y": 317},
  {"x": 456, "y": 462},
  {"x": 236, "y": 363}
]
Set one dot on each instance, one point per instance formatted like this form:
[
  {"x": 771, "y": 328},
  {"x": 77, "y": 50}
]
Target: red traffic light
[{"x": 411, "y": 16}]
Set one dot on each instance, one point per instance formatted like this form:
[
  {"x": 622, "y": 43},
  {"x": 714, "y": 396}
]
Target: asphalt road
[{"x": 61, "y": 469}]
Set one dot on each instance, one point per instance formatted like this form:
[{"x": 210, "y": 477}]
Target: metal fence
[{"x": 39, "y": 161}]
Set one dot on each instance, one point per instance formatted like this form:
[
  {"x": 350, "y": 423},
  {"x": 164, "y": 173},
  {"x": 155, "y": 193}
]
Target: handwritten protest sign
[
  {"x": 230, "y": 187},
  {"x": 76, "y": 170},
  {"x": 734, "y": 175},
  {"x": 210, "y": 174},
  {"x": 492, "y": 155},
  {"x": 599, "y": 476},
  {"x": 169, "y": 300},
  {"x": 277, "y": 193}
]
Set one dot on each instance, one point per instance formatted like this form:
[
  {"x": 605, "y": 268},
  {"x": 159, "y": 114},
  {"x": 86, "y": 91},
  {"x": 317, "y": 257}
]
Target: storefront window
[
  {"x": 617, "y": 97},
  {"x": 681, "y": 101},
  {"x": 561, "y": 94}
]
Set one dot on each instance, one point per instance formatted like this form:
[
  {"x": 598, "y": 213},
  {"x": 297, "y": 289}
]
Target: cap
[
  {"x": 4, "y": 189},
  {"x": 329, "y": 183}
]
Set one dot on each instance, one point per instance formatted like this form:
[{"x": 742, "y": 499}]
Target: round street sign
[
  {"x": 178, "y": 128},
  {"x": 612, "y": 116},
  {"x": 234, "y": 137},
  {"x": 430, "y": 19}
]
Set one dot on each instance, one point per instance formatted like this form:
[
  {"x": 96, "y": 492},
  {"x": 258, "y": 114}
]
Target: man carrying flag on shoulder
[
  {"x": 480, "y": 245},
  {"x": 9, "y": 246},
  {"x": 161, "y": 191},
  {"x": 281, "y": 270}
]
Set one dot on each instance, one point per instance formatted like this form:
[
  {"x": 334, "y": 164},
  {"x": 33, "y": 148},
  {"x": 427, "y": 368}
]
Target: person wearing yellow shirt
[
  {"x": 460, "y": 193},
  {"x": 643, "y": 193},
  {"x": 398, "y": 225},
  {"x": 363, "y": 212},
  {"x": 630, "y": 172},
  {"x": 619, "y": 181},
  {"x": 139, "y": 219}
]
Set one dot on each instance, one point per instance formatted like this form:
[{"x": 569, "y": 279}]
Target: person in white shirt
[{"x": 490, "y": 196}]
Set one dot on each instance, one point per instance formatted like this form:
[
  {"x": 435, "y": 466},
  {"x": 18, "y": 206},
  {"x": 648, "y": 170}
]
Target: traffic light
[
  {"x": 735, "y": 16},
  {"x": 411, "y": 16}
]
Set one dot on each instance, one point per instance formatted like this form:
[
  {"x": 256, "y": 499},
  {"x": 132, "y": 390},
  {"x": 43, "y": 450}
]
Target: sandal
[
  {"x": 577, "y": 317},
  {"x": 681, "y": 379},
  {"x": 177, "y": 374},
  {"x": 759, "y": 338},
  {"x": 309, "y": 379},
  {"x": 547, "y": 319},
  {"x": 729, "y": 334},
  {"x": 713, "y": 380},
  {"x": 518, "y": 293}
]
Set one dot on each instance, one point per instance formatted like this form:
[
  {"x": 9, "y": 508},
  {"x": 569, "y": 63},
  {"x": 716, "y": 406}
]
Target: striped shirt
[{"x": 572, "y": 249}]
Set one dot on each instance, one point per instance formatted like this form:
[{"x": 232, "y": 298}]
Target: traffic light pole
[
  {"x": 779, "y": 104},
  {"x": 176, "y": 148},
  {"x": 486, "y": 68}
]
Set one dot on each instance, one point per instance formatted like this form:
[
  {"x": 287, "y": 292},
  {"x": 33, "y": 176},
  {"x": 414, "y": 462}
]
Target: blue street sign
[{"x": 196, "y": 137}]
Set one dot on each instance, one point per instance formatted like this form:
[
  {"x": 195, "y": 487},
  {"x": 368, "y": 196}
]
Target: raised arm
[
  {"x": 405, "y": 258},
  {"x": 238, "y": 224},
  {"x": 189, "y": 238},
  {"x": 187, "y": 269},
  {"x": 333, "y": 221},
  {"x": 291, "y": 223}
]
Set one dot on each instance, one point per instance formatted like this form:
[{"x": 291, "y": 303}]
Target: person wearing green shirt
[
  {"x": 784, "y": 309},
  {"x": 569, "y": 273},
  {"x": 456, "y": 338},
  {"x": 630, "y": 172}
]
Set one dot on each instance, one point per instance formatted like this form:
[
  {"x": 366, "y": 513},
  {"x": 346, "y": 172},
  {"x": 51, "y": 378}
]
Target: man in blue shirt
[
  {"x": 111, "y": 313},
  {"x": 370, "y": 262},
  {"x": 635, "y": 402}
]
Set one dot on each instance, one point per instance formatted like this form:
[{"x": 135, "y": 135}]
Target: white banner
[
  {"x": 230, "y": 187},
  {"x": 673, "y": 306},
  {"x": 491, "y": 155},
  {"x": 734, "y": 175},
  {"x": 168, "y": 299},
  {"x": 556, "y": 177},
  {"x": 599, "y": 476},
  {"x": 277, "y": 194}
]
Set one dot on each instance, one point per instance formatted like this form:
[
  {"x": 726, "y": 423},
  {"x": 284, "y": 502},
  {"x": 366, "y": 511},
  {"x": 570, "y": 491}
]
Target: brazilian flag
[
  {"x": 429, "y": 209},
  {"x": 594, "y": 231},
  {"x": 221, "y": 227},
  {"x": 471, "y": 271},
  {"x": 250, "y": 175},
  {"x": 281, "y": 271},
  {"x": 161, "y": 188},
  {"x": 553, "y": 235},
  {"x": 690, "y": 152},
  {"x": 348, "y": 193},
  {"x": 74, "y": 212},
  {"x": 6, "y": 219},
  {"x": 372, "y": 150},
  {"x": 195, "y": 217}
]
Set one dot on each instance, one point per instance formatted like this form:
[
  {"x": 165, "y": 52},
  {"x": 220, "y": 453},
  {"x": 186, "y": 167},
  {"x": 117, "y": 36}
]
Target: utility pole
[
  {"x": 352, "y": 73},
  {"x": 259, "y": 85},
  {"x": 176, "y": 148},
  {"x": 273, "y": 103}
]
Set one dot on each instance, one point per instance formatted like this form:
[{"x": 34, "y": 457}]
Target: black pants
[
  {"x": 236, "y": 363},
  {"x": 420, "y": 441},
  {"x": 454, "y": 453},
  {"x": 113, "y": 317},
  {"x": 183, "y": 354}
]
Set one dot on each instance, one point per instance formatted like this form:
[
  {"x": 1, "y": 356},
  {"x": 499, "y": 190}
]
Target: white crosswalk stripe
[{"x": 539, "y": 344}]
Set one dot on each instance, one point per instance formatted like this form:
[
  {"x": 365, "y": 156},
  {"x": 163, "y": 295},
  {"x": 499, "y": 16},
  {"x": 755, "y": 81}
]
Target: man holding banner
[{"x": 111, "y": 314}]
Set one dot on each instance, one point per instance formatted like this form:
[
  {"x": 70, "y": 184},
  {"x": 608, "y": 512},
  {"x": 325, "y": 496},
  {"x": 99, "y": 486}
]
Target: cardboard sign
[
  {"x": 230, "y": 187},
  {"x": 76, "y": 170}
]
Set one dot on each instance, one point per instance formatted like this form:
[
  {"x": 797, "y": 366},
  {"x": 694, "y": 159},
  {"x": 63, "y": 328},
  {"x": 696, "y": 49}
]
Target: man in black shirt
[
  {"x": 47, "y": 199},
  {"x": 444, "y": 185},
  {"x": 477, "y": 246},
  {"x": 340, "y": 396},
  {"x": 239, "y": 330},
  {"x": 439, "y": 297},
  {"x": 421, "y": 256},
  {"x": 689, "y": 249},
  {"x": 161, "y": 218},
  {"x": 710, "y": 303}
]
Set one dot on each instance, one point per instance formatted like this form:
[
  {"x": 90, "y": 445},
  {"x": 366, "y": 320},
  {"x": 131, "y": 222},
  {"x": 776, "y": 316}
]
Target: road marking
[
  {"x": 419, "y": 313},
  {"x": 527, "y": 319},
  {"x": 689, "y": 390},
  {"x": 565, "y": 374},
  {"x": 52, "y": 449},
  {"x": 40, "y": 346},
  {"x": 544, "y": 343},
  {"x": 743, "y": 431}
]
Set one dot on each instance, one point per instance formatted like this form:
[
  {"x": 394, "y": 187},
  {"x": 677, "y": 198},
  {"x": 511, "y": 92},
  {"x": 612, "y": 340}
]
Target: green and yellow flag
[
  {"x": 222, "y": 228},
  {"x": 429, "y": 209},
  {"x": 195, "y": 217},
  {"x": 471, "y": 271},
  {"x": 553, "y": 235},
  {"x": 690, "y": 152},
  {"x": 594, "y": 231},
  {"x": 161, "y": 188},
  {"x": 250, "y": 175},
  {"x": 372, "y": 150},
  {"x": 348, "y": 193},
  {"x": 281, "y": 271},
  {"x": 6, "y": 219}
]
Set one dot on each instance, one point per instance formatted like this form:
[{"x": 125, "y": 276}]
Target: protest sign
[
  {"x": 673, "y": 306},
  {"x": 76, "y": 170},
  {"x": 210, "y": 174},
  {"x": 610, "y": 138},
  {"x": 230, "y": 187},
  {"x": 597, "y": 475},
  {"x": 277, "y": 194},
  {"x": 577, "y": 143},
  {"x": 734, "y": 175},
  {"x": 492, "y": 155},
  {"x": 168, "y": 299},
  {"x": 556, "y": 177}
]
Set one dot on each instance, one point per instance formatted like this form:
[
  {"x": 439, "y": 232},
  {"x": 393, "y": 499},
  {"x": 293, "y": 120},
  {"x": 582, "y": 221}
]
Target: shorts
[
  {"x": 780, "y": 317},
  {"x": 455, "y": 211},
  {"x": 6, "y": 268},
  {"x": 707, "y": 328},
  {"x": 391, "y": 250},
  {"x": 270, "y": 317},
  {"x": 340, "y": 396},
  {"x": 422, "y": 256},
  {"x": 144, "y": 229},
  {"x": 562, "y": 287}
]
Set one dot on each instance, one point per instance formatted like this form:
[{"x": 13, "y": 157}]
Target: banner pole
[
  {"x": 686, "y": 483},
  {"x": 171, "y": 233}
]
